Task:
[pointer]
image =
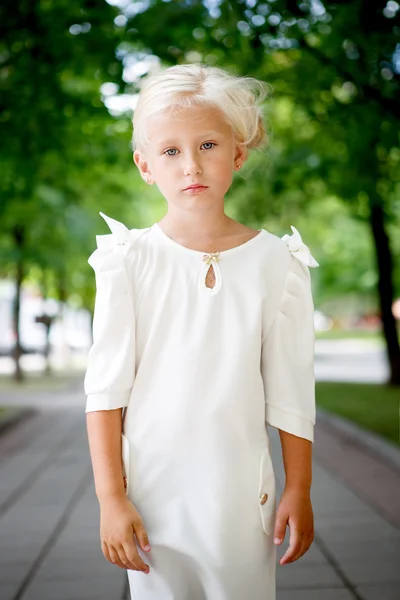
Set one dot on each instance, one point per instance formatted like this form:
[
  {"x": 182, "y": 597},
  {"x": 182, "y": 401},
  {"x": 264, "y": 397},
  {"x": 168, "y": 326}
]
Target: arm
[
  {"x": 297, "y": 461},
  {"x": 119, "y": 519},
  {"x": 109, "y": 374},
  {"x": 104, "y": 435},
  {"x": 288, "y": 375},
  {"x": 108, "y": 384},
  {"x": 295, "y": 507}
]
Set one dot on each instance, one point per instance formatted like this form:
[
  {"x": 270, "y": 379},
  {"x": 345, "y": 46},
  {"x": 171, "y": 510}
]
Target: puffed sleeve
[
  {"x": 287, "y": 361},
  {"x": 110, "y": 368}
]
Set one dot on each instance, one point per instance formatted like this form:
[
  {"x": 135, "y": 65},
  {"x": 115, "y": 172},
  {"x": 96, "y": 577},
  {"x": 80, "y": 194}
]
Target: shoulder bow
[
  {"x": 298, "y": 248},
  {"x": 119, "y": 235},
  {"x": 112, "y": 247}
]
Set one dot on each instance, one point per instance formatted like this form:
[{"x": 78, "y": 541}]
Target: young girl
[{"x": 203, "y": 330}]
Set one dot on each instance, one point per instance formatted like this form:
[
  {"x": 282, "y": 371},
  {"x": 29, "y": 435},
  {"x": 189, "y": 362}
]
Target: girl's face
[{"x": 195, "y": 146}]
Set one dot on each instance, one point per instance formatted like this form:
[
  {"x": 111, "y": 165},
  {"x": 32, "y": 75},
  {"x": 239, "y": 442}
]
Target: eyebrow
[{"x": 201, "y": 135}]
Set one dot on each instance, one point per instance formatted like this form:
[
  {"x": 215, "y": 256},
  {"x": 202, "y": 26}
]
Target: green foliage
[
  {"x": 63, "y": 157},
  {"x": 375, "y": 407}
]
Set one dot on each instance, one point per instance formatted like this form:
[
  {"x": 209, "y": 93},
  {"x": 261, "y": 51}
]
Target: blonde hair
[{"x": 181, "y": 86}]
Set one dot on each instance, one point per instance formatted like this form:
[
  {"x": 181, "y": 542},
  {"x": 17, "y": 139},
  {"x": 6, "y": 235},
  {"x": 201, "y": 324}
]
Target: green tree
[{"x": 53, "y": 58}]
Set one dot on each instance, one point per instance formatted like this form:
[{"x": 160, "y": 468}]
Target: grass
[
  {"x": 356, "y": 334},
  {"x": 340, "y": 334},
  {"x": 373, "y": 406}
]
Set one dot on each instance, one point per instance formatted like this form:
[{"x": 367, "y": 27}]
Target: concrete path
[
  {"x": 356, "y": 360},
  {"x": 49, "y": 517}
]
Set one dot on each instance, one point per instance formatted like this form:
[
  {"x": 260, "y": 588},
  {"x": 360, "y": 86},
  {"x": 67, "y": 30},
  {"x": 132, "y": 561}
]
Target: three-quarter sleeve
[
  {"x": 110, "y": 368},
  {"x": 287, "y": 361}
]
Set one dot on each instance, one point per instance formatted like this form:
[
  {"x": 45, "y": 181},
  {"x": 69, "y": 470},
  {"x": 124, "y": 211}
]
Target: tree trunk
[
  {"x": 385, "y": 289},
  {"x": 18, "y": 235}
]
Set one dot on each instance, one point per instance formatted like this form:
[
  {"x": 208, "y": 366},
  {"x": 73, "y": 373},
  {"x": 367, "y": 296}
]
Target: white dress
[{"x": 202, "y": 371}]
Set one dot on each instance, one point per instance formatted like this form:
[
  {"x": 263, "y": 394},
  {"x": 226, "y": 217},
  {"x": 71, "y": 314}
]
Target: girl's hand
[
  {"x": 295, "y": 510},
  {"x": 119, "y": 520}
]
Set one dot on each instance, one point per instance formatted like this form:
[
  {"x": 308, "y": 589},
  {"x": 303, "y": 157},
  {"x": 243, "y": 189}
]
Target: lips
[{"x": 195, "y": 187}]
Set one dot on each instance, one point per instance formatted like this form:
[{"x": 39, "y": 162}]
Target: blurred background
[{"x": 70, "y": 72}]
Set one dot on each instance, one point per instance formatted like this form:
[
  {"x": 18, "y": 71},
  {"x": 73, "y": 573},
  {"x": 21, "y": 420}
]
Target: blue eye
[{"x": 210, "y": 145}]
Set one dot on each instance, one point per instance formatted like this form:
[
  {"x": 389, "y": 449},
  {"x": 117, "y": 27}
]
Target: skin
[
  {"x": 119, "y": 518},
  {"x": 195, "y": 146},
  {"x": 295, "y": 509}
]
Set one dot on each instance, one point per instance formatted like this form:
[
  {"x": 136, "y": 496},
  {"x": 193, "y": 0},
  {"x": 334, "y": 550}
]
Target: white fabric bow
[
  {"x": 298, "y": 248},
  {"x": 120, "y": 234}
]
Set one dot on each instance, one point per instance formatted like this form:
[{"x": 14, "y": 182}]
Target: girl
[{"x": 203, "y": 331}]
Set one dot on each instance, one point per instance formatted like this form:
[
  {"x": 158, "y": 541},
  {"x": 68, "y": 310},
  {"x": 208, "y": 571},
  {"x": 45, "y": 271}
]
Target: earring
[{"x": 238, "y": 166}]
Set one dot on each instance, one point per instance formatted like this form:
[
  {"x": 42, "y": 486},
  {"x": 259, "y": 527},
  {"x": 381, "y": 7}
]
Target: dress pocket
[
  {"x": 266, "y": 492},
  {"x": 125, "y": 461}
]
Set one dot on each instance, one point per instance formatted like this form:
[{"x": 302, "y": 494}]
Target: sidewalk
[
  {"x": 49, "y": 517},
  {"x": 356, "y": 499}
]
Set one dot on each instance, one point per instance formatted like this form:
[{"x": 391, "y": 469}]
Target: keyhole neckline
[{"x": 156, "y": 227}]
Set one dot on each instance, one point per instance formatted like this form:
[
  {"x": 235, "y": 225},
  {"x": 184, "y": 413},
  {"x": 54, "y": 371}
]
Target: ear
[
  {"x": 143, "y": 166},
  {"x": 240, "y": 156}
]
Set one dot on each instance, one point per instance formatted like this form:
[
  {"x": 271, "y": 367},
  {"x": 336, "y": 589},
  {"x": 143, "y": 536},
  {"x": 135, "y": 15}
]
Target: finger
[
  {"x": 141, "y": 535},
  {"x": 280, "y": 529},
  {"x": 114, "y": 557},
  {"x": 134, "y": 557},
  {"x": 131, "y": 556},
  {"x": 306, "y": 543},
  {"x": 134, "y": 564},
  {"x": 295, "y": 542},
  {"x": 104, "y": 549},
  {"x": 122, "y": 557},
  {"x": 300, "y": 551}
]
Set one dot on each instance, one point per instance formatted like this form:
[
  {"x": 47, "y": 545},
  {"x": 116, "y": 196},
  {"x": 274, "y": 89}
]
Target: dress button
[{"x": 263, "y": 498}]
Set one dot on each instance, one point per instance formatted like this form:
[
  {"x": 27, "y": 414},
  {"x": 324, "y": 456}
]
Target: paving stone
[
  {"x": 8, "y": 590},
  {"x": 356, "y": 550},
  {"x": 71, "y": 550},
  {"x": 371, "y": 476},
  {"x": 379, "y": 592},
  {"x": 13, "y": 572},
  {"x": 100, "y": 588},
  {"x": 24, "y": 552},
  {"x": 76, "y": 568},
  {"x": 364, "y": 517},
  {"x": 373, "y": 570},
  {"x": 310, "y": 576},
  {"x": 355, "y": 531},
  {"x": 321, "y": 594}
]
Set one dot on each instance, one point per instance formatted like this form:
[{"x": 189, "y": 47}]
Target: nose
[{"x": 192, "y": 165}]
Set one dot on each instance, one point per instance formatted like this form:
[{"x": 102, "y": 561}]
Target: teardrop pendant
[{"x": 211, "y": 261}]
